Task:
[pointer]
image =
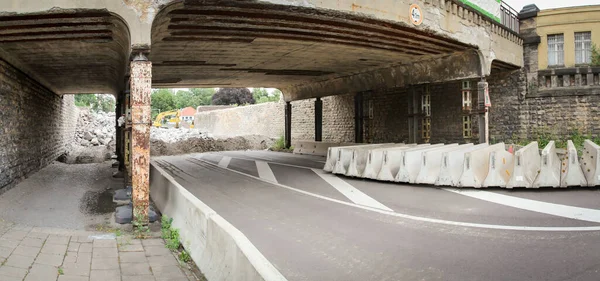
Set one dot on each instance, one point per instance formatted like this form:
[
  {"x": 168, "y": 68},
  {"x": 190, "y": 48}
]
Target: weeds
[
  {"x": 60, "y": 271},
  {"x": 184, "y": 256},
  {"x": 279, "y": 144},
  {"x": 140, "y": 228},
  {"x": 171, "y": 236}
]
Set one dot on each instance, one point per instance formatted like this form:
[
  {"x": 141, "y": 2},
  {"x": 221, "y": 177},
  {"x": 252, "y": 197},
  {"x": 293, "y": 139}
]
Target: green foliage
[
  {"x": 61, "y": 271},
  {"x": 261, "y": 95},
  {"x": 167, "y": 99},
  {"x": 184, "y": 256},
  {"x": 97, "y": 102},
  {"x": 229, "y": 96},
  {"x": 163, "y": 100},
  {"x": 595, "y": 55},
  {"x": 170, "y": 234}
]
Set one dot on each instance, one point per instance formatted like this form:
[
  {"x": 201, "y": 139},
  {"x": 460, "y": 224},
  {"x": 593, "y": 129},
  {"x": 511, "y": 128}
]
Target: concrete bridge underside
[{"x": 306, "y": 48}]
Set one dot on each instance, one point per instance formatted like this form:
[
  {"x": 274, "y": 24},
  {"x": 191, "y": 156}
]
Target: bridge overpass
[{"x": 306, "y": 48}]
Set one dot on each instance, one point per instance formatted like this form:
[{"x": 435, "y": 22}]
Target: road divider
[
  {"x": 571, "y": 173},
  {"x": 360, "y": 158},
  {"x": 476, "y": 166},
  {"x": 410, "y": 164},
  {"x": 591, "y": 163},
  {"x": 452, "y": 165},
  {"x": 431, "y": 162},
  {"x": 549, "y": 168}
]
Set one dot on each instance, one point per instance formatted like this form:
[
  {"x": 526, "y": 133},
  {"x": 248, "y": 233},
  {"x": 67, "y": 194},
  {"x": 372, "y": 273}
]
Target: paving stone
[
  {"x": 105, "y": 243},
  {"x": 85, "y": 248},
  {"x": 153, "y": 242},
  {"x": 50, "y": 259},
  {"x": 139, "y": 278},
  {"x": 105, "y": 263},
  {"x": 58, "y": 239},
  {"x": 166, "y": 278},
  {"x": 131, "y": 248},
  {"x": 22, "y": 228},
  {"x": 70, "y": 258},
  {"x": 54, "y": 249},
  {"x": 42, "y": 271},
  {"x": 84, "y": 258},
  {"x": 10, "y": 278},
  {"x": 73, "y": 247},
  {"x": 157, "y": 251},
  {"x": 39, "y": 235},
  {"x": 135, "y": 269},
  {"x": 9, "y": 243},
  {"x": 156, "y": 261},
  {"x": 168, "y": 271},
  {"x": 105, "y": 253},
  {"x": 13, "y": 271},
  {"x": 32, "y": 242},
  {"x": 72, "y": 278},
  {"x": 5, "y": 252},
  {"x": 27, "y": 251},
  {"x": 83, "y": 239},
  {"x": 19, "y": 261},
  {"x": 79, "y": 269},
  {"x": 15, "y": 235},
  {"x": 106, "y": 275},
  {"x": 132, "y": 257}
]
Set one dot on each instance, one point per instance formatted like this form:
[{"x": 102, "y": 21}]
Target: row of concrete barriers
[{"x": 468, "y": 165}]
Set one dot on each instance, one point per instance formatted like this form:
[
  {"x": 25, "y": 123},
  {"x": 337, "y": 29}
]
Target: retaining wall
[{"x": 35, "y": 125}]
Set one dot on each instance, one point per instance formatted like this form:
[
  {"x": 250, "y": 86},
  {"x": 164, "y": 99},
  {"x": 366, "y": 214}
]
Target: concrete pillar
[
  {"x": 318, "y": 119},
  {"x": 141, "y": 86},
  {"x": 288, "y": 124},
  {"x": 358, "y": 118},
  {"x": 483, "y": 102}
]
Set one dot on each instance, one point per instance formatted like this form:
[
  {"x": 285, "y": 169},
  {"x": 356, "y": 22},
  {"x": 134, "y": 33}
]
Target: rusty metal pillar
[
  {"x": 318, "y": 119},
  {"x": 483, "y": 102},
  {"x": 288, "y": 125},
  {"x": 141, "y": 84}
]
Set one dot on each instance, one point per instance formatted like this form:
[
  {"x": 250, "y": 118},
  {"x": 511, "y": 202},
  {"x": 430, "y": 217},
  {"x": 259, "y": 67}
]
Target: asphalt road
[{"x": 316, "y": 226}]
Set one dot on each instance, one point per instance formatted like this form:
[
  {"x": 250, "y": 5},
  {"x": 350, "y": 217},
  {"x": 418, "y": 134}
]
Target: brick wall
[{"x": 35, "y": 125}]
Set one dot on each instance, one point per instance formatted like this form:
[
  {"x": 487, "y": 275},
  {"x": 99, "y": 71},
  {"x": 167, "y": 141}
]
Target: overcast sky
[{"x": 549, "y": 4}]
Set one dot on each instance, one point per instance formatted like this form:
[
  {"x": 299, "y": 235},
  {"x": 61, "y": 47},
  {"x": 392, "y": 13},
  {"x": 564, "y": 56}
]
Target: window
[
  {"x": 467, "y": 132},
  {"x": 583, "y": 47},
  {"x": 556, "y": 52},
  {"x": 426, "y": 109},
  {"x": 466, "y": 95}
]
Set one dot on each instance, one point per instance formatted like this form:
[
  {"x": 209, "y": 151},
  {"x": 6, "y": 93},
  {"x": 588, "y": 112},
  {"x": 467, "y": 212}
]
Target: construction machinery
[{"x": 163, "y": 119}]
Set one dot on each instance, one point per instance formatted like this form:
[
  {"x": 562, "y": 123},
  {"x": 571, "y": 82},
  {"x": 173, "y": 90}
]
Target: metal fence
[{"x": 509, "y": 17}]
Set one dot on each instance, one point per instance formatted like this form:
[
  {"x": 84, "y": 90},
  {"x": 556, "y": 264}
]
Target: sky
[{"x": 549, "y": 4}]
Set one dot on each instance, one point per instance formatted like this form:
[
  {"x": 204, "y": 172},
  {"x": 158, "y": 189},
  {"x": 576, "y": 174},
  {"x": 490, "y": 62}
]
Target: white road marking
[
  {"x": 583, "y": 214},
  {"x": 265, "y": 172},
  {"x": 428, "y": 220},
  {"x": 224, "y": 163},
  {"x": 350, "y": 191}
]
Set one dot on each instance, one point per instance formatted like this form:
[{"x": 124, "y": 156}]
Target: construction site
[{"x": 276, "y": 140}]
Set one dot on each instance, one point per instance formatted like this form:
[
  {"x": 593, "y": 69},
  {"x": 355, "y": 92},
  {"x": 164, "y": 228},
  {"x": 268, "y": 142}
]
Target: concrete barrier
[
  {"x": 570, "y": 170},
  {"x": 220, "y": 250},
  {"x": 431, "y": 162},
  {"x": 549, "y": 168},
  {"x": 332, "y": 157},
  {"x": 526, "y": 166},
  {"x": 500, "y": 169},
  {"x": 590, "y": 163},
  {"x": 360, "y": 158},
  {"x": 476, "y": 166},
  {"x": 315, "y": 147},
  {"x": 375, "y": 160},
  {"x": 452, "y": 165},
  {"x": 391, "y": 161},
  {"x": 345, "y": 156},
  {"x": 410, "y": 163}
]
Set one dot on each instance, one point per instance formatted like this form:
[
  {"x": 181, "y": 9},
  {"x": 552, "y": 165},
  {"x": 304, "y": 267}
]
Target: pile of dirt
[
  {"x": 94, "y": 140},
  {"x": 182, "y": 141}
]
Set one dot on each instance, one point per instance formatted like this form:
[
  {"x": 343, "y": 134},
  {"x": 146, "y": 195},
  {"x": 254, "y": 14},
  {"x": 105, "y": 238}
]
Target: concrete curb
[{"x": 220, "y": 250}]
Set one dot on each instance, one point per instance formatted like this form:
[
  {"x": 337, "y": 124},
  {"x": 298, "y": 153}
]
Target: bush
[{"x": 229, "y": 96}]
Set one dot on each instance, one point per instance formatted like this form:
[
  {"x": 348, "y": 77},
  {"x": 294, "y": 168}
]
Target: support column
[
  {"x": 358, "y": 118},
  {"x": 118, "y": 131},
  {"x": 483, "y": 102},
  {"x": 288, "y": 124},
  {"x": 141, "y": 84},
  {"x": 318, "y": 119}
]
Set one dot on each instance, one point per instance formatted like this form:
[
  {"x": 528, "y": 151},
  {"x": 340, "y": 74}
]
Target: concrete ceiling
[
  {"x": 69, "y": 51},
  {"x": 248, "y": 43}
]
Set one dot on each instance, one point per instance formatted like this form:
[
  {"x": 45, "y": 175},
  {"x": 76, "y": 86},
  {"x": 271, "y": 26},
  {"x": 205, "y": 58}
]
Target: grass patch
[
  {"x": 172, "y": 238},
  {"x": 60, "y": 271},
  {"x": 279, "y": 145}
]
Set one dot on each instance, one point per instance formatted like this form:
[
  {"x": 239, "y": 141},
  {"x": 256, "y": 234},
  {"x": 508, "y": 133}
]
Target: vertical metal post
[
  {"x": 288, "y": 124},
  {"x": 483, "y": 103},
  {"x": 141, "y": 84},
  {"x": 318, "y": 119},
  {"x": 118, "y": 131},
  {"x": 121, "y": 112},
  {"x": 358, "y": 118}
]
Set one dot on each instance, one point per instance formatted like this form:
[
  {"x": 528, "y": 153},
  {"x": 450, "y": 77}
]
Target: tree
[
  {"x": 162, "y": 100},
  {"x": 261, "y": 95},
  {"x": 595, "y": 55},
  {"x": 228, "y": 96},
  {"x": 97, "y": 102},
  {"x": 85, "y": 100},
  {"x": 202, "y": 96}
]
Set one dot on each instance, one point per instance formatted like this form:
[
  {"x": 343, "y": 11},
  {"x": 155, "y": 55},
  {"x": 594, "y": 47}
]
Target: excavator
[{"x": 168, "y": 117}]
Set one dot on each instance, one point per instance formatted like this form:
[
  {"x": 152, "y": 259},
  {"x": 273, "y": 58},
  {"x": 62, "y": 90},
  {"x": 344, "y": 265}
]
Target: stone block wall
[
  {"x": 35, "y": 125},
  {"x": 265, "y": 119}
]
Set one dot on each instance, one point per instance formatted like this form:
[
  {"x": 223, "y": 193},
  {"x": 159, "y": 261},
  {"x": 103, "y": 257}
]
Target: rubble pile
[{"x": 95, "y": 128}]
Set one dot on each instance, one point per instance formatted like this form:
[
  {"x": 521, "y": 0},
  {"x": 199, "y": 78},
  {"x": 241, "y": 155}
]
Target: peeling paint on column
[{"x": 141, "y": 83}]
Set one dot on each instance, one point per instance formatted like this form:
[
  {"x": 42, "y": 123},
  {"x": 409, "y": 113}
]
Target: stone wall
[
  {"x": 338, "y": 119},
  {"x": 35, "y": 125},
  {"x": 265, "y": 119}
]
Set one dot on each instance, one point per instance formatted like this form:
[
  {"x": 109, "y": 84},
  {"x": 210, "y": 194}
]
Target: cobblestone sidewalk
[{"x": 37, "y": 254}]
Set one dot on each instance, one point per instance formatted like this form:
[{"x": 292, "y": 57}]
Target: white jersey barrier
[
  {"x": 526, "y": 166},
  {"x": 476, "y": 166},
  {"x": 591, "y": 163},
  {"x": 549, "y": 168},
  {"x": 410, "y": 164},
  {"x": 500, "y": 169},
  {"x": 392, "y": 159},
  {"x": 332, "y": 157},
  {"x": 571, "y": 173},
  {"x": 452, "y": 165},
  {"x": 318, "y": 148},
  {"x": 431, "y": 162},
  {"x": 375, "y": 160},
  {"x": 360, "y": 158},
  {"x": 345, "y": 154}
]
